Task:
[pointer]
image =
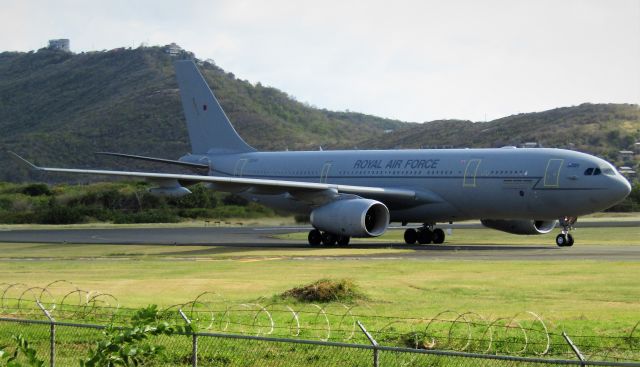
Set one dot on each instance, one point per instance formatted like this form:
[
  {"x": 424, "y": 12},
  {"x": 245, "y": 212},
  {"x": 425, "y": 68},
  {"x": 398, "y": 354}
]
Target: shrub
[
  {"x": 235, "y": 200},
  {"x": 5, "y": 203},
  {"x": 196, "y": 213},
  {"x": 147, "y": 216},
  {"x": 36, "y": 189},
  {"x": 326, "y": 290},
  {"x": 57, "y": 214}
]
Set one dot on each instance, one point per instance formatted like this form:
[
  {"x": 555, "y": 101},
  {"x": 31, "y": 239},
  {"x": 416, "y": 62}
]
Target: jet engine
[
  {"x": 520, "y": 226},
  {"x": 352, "y": 217}
]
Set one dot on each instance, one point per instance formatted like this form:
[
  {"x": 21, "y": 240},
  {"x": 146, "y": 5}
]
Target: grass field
[{"x": 582, "y": 297}]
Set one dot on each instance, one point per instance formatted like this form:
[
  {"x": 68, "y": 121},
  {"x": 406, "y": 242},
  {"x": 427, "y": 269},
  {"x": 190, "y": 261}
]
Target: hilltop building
[
  {"x": 173, "y": 49},
  {"x": 61, "y": 44},
  {"x": 627, "y": 156}
]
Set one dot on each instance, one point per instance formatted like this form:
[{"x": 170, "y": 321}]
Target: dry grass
[{"x": 326, "y": 290}]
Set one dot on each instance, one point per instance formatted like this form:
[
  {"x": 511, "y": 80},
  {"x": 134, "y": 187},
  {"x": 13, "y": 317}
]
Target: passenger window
[
  {"x": 597, "y": 172},
  {"x": 588, "y": 172}
]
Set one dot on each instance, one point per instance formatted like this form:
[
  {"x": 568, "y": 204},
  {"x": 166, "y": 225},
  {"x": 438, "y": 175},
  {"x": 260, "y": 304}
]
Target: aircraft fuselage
[{"x": 456, "y": 184}]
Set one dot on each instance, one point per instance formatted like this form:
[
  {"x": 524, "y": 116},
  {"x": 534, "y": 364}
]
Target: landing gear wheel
[
  {"x": 562, "y": 240},
  {"x": 343, "y": 240},
  {"x": 569, "y": 240},
  {"x": 315, "y": 237},
  {"x": 329, "y": 239},
  {"x": 425, "y": 237},
  {"x": 438, "y": 236},
  {"x": 565, "y": 239},
  {"x": 410, "y": 236}
]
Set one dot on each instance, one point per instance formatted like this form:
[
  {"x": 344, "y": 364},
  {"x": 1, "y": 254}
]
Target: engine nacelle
[
  {"x": 520, "y": 226},
  {"x": 352, "y": 217}
]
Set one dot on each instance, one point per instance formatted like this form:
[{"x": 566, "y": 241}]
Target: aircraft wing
[{"x": 314, "y": 193}]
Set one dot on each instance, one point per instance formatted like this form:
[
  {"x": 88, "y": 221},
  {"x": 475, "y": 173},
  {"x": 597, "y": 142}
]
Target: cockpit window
[
  {"x": 608, "y": 171},
  {"x": 596, "y": 171},
  {"x": 588, "y": 171}
]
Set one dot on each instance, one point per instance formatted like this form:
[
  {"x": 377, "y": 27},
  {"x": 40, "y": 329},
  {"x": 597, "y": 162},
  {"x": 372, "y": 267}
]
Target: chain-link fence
[
  {"x": 63, "y": 323},
  {"x": 64, "y": 344}
]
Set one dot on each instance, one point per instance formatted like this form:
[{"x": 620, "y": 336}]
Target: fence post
[
  {"x": 373, "y": 342},
  {"x": 194, "y": 336},
  {"x": 574, "y": 348},
  {"x": 52, "y": 335}
]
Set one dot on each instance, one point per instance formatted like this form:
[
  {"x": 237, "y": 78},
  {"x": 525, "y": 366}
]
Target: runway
[{"x": 252, "y": 239}]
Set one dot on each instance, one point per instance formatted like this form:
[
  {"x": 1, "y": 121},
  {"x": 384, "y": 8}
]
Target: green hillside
[
  {"x": 602, "y": 129},
  {"x": 59, "y": 108}
]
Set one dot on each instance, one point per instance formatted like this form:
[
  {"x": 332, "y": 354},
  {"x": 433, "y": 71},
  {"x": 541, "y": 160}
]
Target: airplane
[{"x": 358, "y": 193}]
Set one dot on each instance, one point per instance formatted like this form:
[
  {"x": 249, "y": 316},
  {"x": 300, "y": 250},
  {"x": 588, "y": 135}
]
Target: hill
[
  {"x": 60, "y": 107},
  {"x": 601, "y": 129}
]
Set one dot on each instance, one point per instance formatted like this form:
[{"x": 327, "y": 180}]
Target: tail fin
[{"x": 209, "y": 128}]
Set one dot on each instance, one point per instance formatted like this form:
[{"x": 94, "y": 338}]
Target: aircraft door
[
  {"x": 552, "y": 173},
  {"x": 324, "y": 173},
  {"x": 470, "y": 172},
  {"x": 240, "y": 167}
]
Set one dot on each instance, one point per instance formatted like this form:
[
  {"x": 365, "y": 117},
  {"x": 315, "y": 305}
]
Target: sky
[{"x": 409, "y": 60}]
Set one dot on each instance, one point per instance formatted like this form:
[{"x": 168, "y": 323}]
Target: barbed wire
[{"x": 525, "y": 333}]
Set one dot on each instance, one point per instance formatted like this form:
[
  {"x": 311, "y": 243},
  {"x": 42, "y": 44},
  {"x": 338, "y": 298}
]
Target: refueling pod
[{"x": 170, "y": 188}]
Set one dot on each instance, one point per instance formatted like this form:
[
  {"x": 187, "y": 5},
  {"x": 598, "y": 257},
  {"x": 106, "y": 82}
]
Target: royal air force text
[{"x": 396, "y": 164}]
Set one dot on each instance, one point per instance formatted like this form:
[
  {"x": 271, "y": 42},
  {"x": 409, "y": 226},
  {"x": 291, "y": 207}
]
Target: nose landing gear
[{"x": 565, "y": 239}]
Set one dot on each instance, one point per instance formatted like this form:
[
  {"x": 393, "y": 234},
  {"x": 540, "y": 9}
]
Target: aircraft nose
[{"x": 621, "y": 188}]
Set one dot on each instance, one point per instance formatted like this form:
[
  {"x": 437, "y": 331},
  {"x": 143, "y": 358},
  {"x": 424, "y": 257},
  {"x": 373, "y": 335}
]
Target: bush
[
  {"x": 147, "y": 216},
  {"x": 36, "y": 189},
  {"x": 57, "y": 214},
  {"x": 18, "y": 218},
  {"x": 326, "y": 290},
  {"x": 235, "y": 200},
  {"x": 5, "y": 203},
  {"x": 150, "y": 201},
  {"x": 196, "y": 213},
  {"x": 120, "y": 202}
]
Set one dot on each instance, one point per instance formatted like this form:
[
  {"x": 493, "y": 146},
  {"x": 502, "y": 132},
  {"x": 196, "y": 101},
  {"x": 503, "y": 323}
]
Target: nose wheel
[{"x": 565, "y": 239}]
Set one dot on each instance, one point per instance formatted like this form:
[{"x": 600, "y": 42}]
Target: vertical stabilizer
[{"x": 208, "y": 125}]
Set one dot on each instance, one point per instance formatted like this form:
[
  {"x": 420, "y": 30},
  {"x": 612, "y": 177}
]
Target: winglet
[{"x": 33, "y": 166}]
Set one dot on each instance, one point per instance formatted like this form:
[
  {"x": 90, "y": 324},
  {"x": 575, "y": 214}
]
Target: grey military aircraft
[{"x": 357, "y": 193}]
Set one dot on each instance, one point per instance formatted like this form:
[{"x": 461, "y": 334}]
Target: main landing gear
[
  {"x": 424, "y": 235},
  {"x": 317, "y": 238},
  {"x": 565, "y": 239}
]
